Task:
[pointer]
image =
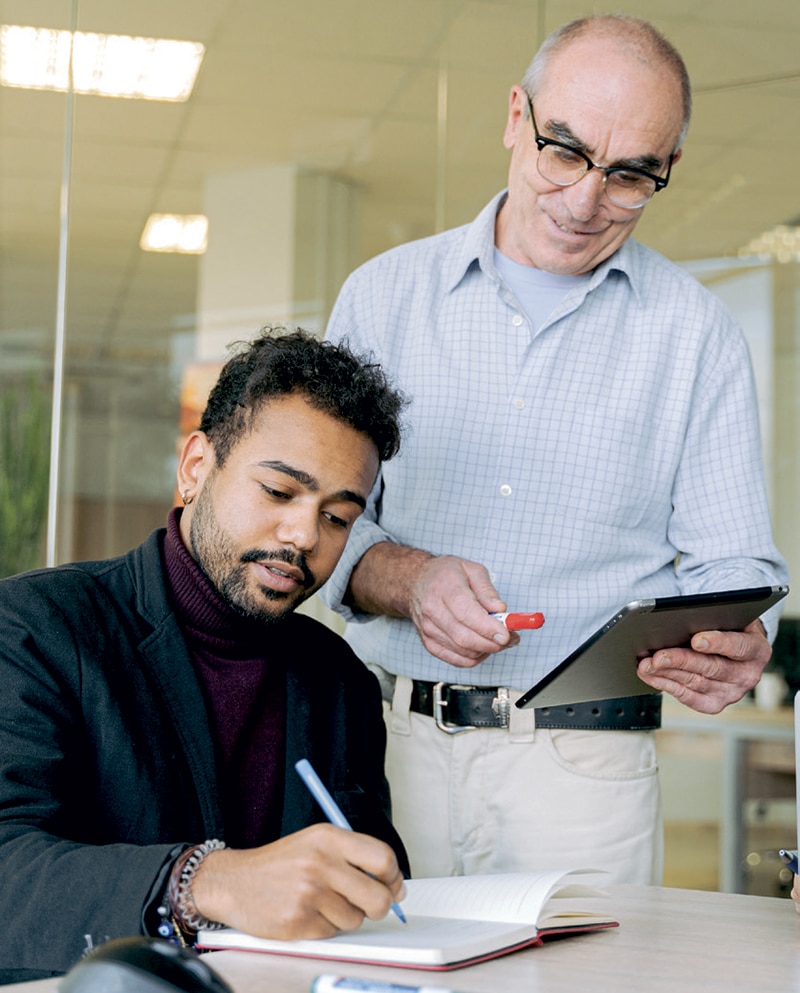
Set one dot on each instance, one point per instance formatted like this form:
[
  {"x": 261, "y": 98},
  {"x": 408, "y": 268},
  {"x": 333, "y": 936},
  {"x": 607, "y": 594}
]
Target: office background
[{"x": 318, "y": 133}]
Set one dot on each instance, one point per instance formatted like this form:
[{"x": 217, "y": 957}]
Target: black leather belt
[{"x": 457, "y": 708}]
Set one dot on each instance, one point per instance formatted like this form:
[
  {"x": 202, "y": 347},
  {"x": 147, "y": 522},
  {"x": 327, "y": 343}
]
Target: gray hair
[{"x": 641, "y": 36}]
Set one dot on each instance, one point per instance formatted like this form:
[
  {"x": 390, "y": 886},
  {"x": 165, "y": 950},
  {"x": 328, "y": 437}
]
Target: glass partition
[{"x": 309, "y": 149}]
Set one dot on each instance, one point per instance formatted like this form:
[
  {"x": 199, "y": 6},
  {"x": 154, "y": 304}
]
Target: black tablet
[{"x": 604, "y": 666}]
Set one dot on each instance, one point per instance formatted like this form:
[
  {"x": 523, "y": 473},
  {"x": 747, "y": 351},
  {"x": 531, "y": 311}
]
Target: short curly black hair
[{"x": 282, "y": 361}]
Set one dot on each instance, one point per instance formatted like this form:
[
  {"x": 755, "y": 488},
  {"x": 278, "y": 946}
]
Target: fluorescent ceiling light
[
  {"x": 780, "y": 244},
  {"x": 105, "y": 64},
  {"x": 186, "y": 234}
]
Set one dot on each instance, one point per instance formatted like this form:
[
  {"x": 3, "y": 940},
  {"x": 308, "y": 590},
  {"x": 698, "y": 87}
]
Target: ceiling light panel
[
  {"x": 186, "y": 234},
  {"x": 105, "y": 65},
  {"x": 779, "y": 244}
]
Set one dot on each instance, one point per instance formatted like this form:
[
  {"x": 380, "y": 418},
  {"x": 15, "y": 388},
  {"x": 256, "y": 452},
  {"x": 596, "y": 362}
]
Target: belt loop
[
  {"x": 522, "y": 723},
  {"x": 400, "y": 713}
]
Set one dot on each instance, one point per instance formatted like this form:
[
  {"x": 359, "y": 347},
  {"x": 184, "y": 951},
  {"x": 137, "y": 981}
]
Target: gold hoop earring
[{"x": 186, "y": 498}]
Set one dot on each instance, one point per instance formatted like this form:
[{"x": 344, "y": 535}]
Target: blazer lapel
[{"x": 169, "y": 664}]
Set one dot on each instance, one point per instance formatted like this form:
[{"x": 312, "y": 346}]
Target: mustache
[{"x": 296, "y": 559}]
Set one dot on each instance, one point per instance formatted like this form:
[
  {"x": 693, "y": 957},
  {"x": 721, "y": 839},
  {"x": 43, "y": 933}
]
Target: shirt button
[
  {"x": 505, "y": 490},
  {"x": 516, "y": 320},
  {"x": 519, "y": 403}
]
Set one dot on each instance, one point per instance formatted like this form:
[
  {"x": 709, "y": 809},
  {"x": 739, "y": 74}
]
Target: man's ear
[
  {"x": 517, "y": 113},
  {"x": 195, "y": 463}
]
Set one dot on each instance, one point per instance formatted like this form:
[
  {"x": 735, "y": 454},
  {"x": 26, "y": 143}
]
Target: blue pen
[
  {"x": 330, "y": 808},
  {"x": 789, "y": 858}
]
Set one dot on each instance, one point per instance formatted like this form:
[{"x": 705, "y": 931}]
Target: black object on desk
[{"x": 142, "y": 965}]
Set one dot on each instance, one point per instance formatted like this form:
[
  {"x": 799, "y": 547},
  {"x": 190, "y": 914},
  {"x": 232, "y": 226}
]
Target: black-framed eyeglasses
[{"x": 564, "y": 165}]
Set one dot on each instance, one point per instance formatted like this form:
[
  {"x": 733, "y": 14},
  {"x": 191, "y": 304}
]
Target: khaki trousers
[{"x": 494, "y": 800}]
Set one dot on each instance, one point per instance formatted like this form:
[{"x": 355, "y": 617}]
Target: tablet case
[{"x": 604, "y": 666}]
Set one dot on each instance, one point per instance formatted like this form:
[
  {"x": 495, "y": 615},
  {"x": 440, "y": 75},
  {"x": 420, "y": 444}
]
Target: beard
[{"x": 227, "y": 569}]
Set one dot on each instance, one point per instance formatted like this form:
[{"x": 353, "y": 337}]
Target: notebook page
[{"x": 517, "y": 897}]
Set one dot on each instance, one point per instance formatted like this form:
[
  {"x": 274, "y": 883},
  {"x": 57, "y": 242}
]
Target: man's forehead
[
  {"x": 320, "y": 451},
  {"x": 638, "y": 102}
]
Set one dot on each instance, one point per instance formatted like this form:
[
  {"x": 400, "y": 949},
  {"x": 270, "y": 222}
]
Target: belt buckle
[
  {"x": 439, "y": 703},
  {"x": 501, "y": 706}
]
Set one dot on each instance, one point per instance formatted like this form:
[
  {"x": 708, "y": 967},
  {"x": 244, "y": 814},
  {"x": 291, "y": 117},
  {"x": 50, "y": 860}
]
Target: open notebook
[{"x": 454, "y": 921}]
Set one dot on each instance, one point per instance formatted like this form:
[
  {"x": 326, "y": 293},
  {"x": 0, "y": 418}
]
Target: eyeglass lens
[{"x": 564, "y": 167}]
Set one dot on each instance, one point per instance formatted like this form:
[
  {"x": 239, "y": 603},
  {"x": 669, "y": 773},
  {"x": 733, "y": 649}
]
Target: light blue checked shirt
[{"x": 612, "y": 454}]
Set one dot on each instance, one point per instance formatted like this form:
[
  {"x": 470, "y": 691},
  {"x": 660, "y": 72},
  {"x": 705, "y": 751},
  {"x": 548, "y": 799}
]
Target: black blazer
[{"x": 107, "y": 767}]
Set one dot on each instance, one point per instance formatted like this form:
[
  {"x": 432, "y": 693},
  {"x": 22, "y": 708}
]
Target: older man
[{"x": 583, "y": 431}]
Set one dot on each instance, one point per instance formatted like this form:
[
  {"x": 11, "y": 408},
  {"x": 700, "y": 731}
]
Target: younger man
[{"x": 154, "y": 703}]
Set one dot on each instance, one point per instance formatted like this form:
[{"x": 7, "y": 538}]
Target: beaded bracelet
[
  {"x": 179, "y": 891},
  {"x": 170, "y": 930}
]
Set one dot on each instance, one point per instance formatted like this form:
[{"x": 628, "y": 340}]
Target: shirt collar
[
  {"x": 478, "y": 246},
  {"x": 628, "y": 261}
]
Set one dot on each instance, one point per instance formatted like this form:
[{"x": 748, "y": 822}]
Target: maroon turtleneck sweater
[{"x": 245, "y": 693}]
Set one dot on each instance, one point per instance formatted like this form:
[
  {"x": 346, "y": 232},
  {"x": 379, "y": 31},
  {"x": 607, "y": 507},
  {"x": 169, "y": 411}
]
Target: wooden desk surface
[{"x": 669, "y": 941}]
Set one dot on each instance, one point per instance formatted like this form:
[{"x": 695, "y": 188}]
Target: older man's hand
[{"x": 718, "y": 669}]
